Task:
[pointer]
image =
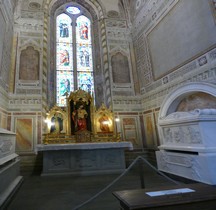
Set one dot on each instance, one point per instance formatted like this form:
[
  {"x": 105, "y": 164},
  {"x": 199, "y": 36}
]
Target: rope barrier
[{"x": 120, "y": 176}]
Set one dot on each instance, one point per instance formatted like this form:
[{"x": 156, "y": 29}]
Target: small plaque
[{"x": 170, "y": 192}]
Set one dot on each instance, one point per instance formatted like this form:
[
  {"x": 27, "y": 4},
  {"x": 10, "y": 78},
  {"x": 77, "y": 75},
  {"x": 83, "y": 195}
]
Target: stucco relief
[
  {"x": 113, "y": 14},
  {"x": 29, "y": 64},
  {"x": 116, "y": 23}
]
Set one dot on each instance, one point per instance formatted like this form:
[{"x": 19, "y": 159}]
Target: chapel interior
[{"x": 136, "y": 77}]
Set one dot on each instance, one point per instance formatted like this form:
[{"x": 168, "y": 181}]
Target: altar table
[{"x": 84, "y": 158}]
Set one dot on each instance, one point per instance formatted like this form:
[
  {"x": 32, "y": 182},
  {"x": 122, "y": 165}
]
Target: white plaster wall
[
  {"x": 186, "y": 31},
  {"x": 110, "y": 5}
]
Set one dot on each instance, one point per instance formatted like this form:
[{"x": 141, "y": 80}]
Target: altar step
[
  {"x": 31, "y": 164},
  {"x": 148, "y": 154}
]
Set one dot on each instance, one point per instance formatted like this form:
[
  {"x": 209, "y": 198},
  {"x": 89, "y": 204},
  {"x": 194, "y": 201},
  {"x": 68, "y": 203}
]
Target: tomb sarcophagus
[{"x": 187, "y": 140}]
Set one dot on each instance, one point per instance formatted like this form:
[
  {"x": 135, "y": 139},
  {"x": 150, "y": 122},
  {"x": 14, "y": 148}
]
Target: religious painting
[
  {"x": 24, "y": 135},
  {"x": 56, "y": 121},
  {"x": 104, "y": 120},
  {"x": 79, "y": 116},
  {"x": 150, "y": 132},
  {"x": 29, "y": 64},
  {"x": 80, "y": 111},
  {"x": 130, "y": 132}
]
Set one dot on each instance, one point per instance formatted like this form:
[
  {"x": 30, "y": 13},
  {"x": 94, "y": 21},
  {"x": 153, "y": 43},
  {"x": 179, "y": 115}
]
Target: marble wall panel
[{"x": 24, "y": 134}]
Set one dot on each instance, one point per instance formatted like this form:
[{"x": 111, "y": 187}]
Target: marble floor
[{"x": 81, "y": 192}]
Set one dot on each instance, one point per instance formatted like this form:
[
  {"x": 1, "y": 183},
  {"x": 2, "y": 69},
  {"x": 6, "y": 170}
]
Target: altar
[
  {"x": 82, "y": 139},
  {"x": 84, "y": 158}
]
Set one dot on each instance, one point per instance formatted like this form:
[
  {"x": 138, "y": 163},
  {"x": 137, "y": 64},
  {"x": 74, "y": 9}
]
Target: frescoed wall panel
[
  {"x": 150, "y": 130},
  {"x": 29, "y": 64},
  {"x": 130, "y": 131}
]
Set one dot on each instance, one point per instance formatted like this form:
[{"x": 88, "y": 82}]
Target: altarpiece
[{"x": 80, "y": 121}]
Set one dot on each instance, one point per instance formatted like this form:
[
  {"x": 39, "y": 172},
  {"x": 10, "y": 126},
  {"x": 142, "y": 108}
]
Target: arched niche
[
  {"x": 120, "y": 68},
  {"x": 173, "y": 99},
  {"x": 29, "y": 64}
]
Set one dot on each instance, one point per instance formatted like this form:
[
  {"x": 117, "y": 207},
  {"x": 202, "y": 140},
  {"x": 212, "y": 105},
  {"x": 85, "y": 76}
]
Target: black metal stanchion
[{"x": 141, "y": 171}]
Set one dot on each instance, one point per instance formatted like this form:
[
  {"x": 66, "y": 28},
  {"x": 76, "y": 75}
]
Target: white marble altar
[
  {"x": 84, "y": 158},
  {"x": 187, "y": 139},
  {"x": 9, "y": 166}
]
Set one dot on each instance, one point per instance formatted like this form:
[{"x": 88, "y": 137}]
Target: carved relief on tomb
[
  {"x": 6, "y": 145},
  {"x": 189, "y": 164},
  {"x": 29, "y": 64},
  {"x": 182, "y": 135}
]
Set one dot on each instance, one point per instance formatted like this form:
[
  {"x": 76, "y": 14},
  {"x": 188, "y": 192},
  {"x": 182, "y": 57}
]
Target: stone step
[{"x": 31, "y": 164}]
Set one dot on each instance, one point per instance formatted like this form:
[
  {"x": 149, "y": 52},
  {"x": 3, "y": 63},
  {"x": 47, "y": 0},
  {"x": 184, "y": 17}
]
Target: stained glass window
[
  {"x": 74, "y": 65},
  {"x": 73, "y": 10}
]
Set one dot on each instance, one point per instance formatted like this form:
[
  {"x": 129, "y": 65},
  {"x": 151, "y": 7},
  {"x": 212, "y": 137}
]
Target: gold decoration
[{"x": 67, "y": 125}]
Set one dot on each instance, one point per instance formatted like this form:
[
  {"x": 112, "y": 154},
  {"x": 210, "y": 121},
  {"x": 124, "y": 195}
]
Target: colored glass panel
[
  {"x": 64, "y": 55},
  {"x": 63, "y": 28},
  {"x": 83, "y": 30},
  {"x": 84, "y": 57},
  {"x": 73, "y": 10},
  {"x": 64, "y": 84},
  {"x": 64, "y": 58},
  {"x": 85, "y": 81}
]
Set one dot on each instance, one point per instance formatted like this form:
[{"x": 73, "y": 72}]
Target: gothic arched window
[{"x": 74, "y": 63}]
